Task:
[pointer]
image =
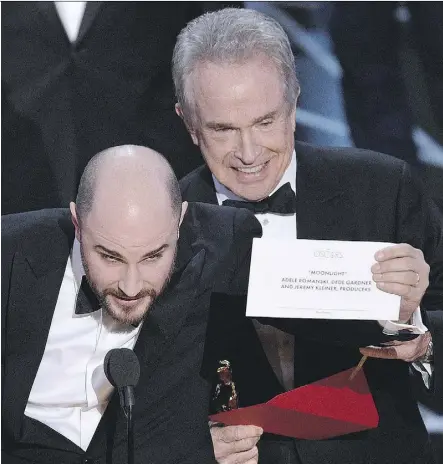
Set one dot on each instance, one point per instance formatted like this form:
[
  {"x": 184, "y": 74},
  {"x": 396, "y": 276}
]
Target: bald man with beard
[{"x": 128, "y": 266}]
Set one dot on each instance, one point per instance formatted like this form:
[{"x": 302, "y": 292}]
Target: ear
[
  {"x": 74, "y": 219},
  {"x": 182, "y": 215},
  {"x": 179, "y": 112},
  {"x": 293, "y": 116},
  {"x": 294, "y": 111}
]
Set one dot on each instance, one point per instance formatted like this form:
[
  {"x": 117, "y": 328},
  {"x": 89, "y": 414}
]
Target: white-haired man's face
[{"x": 243, "y": 125}]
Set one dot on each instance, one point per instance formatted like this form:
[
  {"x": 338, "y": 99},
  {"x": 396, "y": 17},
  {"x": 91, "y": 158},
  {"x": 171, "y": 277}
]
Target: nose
[
  {"x": 131, "y": 282},
  {"x": 248, "y": 149}
]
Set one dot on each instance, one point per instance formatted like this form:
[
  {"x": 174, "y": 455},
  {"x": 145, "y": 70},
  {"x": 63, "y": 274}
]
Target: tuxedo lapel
[
  {"x": 89, "y": 16},
  {"x": 323, "y": 209},
  {"x": 168, "y": 314},
  {"x": 49, "y": 13},
  {"x": 200, "y": 187},
  {"x": 35, "y": 279},
  {"x": 31, "y": 306}
]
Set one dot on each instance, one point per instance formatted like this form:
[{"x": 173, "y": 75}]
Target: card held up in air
[{"x": 317, "y": 279}]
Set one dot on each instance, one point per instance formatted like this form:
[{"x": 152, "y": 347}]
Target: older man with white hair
[{"x": 237, "y": 90}]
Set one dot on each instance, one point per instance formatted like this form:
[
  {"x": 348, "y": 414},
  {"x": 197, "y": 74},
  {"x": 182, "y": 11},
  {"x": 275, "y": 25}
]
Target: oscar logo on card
[{"x": 224, "y": 396}]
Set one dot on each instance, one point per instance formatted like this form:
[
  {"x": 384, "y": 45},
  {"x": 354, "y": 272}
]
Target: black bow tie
[
  {"x": 87, "y": 301},
  {"x": 280, "y": 202}
]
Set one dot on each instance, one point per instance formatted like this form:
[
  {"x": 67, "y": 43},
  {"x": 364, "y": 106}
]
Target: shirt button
[{"x": 265, "y": 222}]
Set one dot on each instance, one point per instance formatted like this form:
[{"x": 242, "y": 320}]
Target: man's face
[
  {"x": 243, "y": 125},
  {"x": 128, "y": 262}
]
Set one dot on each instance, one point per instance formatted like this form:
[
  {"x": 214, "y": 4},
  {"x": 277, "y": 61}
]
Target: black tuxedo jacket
[
  {"x": 171, "y": 412},
  {"x": 341, "y": 194},
  {"x": 113, "y": 86}
]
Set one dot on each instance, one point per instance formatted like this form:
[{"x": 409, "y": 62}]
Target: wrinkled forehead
[
  {"x": 255, "y": 86},
  {"x": 255, "y": 69},
  {"x": 132, "y": 230}
]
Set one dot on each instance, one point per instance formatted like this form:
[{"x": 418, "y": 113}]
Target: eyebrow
[
  {"x": 222, "y": 125},
  {"x": 116, "y": 254},
  {"x": 219, "y": 125},
  {"x": 269, "y": 115}
]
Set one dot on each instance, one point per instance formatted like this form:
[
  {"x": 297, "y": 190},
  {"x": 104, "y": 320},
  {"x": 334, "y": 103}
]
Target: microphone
[{"x": 122, "y": 369}]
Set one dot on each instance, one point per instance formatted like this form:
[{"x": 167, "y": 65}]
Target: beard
[{"x": 126, "y": 315}]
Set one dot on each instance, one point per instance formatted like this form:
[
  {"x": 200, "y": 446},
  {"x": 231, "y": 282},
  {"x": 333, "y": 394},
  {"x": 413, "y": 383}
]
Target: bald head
[
  {"x": 127, "y": 180},
  {"x": 127, "y": 221}
]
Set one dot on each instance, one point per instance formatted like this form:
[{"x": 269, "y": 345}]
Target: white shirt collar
[
  {"x": 223, "y": 193},
  {"x": 77, "y": 264}
]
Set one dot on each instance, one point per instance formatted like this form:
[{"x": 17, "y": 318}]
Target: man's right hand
[
  {"x": 409, "y": 351},
  {"x": 236, "y": 444}
]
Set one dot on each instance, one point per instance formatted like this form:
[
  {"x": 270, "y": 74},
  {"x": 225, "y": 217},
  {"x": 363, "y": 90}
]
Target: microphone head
[{"x": 121, "y": 367}]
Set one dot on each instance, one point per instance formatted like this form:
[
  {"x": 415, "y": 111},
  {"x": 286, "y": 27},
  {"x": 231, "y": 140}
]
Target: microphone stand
[
  {"x": 122, "y": 370},
  {"x": 128, "y": 400},
  {"x": 130, "y": 435}
]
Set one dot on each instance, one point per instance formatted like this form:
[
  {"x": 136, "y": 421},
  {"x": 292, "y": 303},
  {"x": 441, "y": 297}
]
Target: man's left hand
[
  {"x": 402, "y": 270},
  {"x": 408, "y": 351}
]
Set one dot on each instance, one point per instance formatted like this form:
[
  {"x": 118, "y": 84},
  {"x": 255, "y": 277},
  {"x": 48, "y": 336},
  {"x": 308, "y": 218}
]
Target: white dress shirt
[
  {"x": 71, "y": 15},
  {"x": 278, "y": 345},
  {"x": 70, "y": 391}
]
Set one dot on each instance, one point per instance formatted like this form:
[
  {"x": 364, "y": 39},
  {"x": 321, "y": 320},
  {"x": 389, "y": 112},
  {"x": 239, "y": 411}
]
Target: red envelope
[{"x": 327, "y": 408}]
